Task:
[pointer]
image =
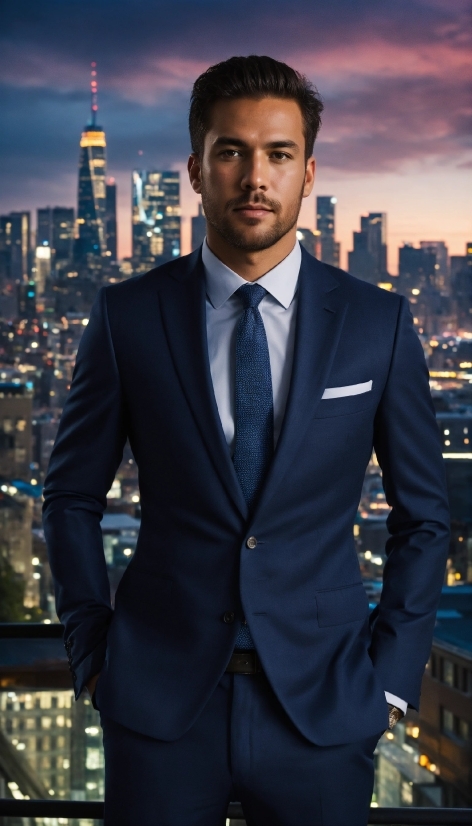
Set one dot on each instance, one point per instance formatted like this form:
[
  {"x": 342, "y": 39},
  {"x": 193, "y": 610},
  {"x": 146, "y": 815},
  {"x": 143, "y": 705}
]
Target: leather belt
[{"x": 244, "y": 661}]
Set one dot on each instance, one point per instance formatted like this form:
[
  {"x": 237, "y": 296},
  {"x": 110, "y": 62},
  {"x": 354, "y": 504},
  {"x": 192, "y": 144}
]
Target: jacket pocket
[{"x": 336, "y": 606}]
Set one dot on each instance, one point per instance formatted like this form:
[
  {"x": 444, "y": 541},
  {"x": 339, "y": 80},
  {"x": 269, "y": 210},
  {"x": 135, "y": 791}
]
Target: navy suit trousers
[{"x": 242, "y": 747}]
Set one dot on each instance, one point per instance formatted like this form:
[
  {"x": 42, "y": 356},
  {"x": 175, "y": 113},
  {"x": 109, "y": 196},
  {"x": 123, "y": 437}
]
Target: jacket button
[
  {"x": 251, "y": 542},
  {"x": 228, "y": 617}
]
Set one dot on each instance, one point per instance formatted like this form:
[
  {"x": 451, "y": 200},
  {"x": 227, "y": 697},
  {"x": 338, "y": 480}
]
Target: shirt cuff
[{"x": 396, "y": 701}]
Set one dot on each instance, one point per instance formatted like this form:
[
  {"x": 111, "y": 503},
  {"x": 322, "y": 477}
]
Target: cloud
[
  {"x": 394, "y": 77},
  {"x": 146, "y": 47},
  {"x": 394, "y": 120}
]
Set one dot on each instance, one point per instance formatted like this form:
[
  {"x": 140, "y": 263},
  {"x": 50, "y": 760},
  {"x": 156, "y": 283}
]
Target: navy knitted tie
[{"x": 254, "y": 408}]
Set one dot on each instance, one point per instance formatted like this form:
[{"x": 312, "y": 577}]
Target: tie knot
[{"x": 251, "y": 295}]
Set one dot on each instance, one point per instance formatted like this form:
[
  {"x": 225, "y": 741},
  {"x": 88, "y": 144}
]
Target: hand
[{"x": 90, "y": 686}]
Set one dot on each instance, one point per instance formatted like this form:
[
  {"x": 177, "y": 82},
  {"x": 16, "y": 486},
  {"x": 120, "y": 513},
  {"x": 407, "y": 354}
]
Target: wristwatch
[{"x": 394, "y": 715}]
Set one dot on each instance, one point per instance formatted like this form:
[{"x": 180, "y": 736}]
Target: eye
[
  {"x": 280, "y": 156},
  {"x": 229, "y": 153}
]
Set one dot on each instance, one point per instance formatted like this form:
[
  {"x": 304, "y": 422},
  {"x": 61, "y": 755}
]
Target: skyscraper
[
  {"x": 92, "y": 190},
  {"x": 368, "y": 259},
  {"x": 461, "y": 271},
  {"x": 20, "y": 235},
  {"x": 198, "y": 228},
  {"x": 416, "y": 269},
  {"x": 110, "y": 219},
  {"x": 5, "y": 249},
  {"x": 62, "y": 234},
  {"x": 156, "y": 216},
  {"x": 442, "y": 274},
  {"x": 326, "y": 226},
  {"x": 55, "y": 229},
  {"x": 44, "y": 227},
  {"x": 42, "y": 268}
]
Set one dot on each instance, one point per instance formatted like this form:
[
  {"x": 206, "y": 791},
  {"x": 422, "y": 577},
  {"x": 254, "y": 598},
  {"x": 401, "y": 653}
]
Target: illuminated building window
[{"x": 94, "y": 759}]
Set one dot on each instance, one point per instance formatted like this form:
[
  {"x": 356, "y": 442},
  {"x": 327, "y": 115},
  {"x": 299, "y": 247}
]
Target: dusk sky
[{"x": 395, "y": 78}]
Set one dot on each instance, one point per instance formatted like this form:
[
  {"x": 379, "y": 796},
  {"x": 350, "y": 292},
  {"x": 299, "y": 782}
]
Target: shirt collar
[{"x": 222, "y": 282}]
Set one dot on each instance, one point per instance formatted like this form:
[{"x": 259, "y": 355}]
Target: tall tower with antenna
[{"x": 91, "y": 211}]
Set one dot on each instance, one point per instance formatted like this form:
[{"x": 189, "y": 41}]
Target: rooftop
[
  {"x": 119, "y": 522},
  {"x": 454, "y": 618}
]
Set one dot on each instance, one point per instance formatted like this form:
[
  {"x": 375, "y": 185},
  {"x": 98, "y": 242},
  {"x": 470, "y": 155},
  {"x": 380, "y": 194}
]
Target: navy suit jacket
[{"x": 142, "y": 373}]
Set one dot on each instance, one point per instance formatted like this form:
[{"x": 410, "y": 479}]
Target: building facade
[
  {"x": 442, "y": 268},
  {"x": 156, "y": 217},
  {"x": 55, "y": 228},
  {"x": 416, "y": 269},
  {"x": 91, "y": 208},
  {"x": 461, "y": 285},
  {"x": 368, "y": 259},
  {"x": 17, "y": 233},
  {"x": 326, "y": 227},
  {"x": 445, "y": 717},
  {"x": 110, "y": 219}
]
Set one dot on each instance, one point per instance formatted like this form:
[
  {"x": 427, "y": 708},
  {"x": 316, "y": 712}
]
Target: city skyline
[
  {"x": 94, "y": 101},
  {"x": 394, "y": 81}
]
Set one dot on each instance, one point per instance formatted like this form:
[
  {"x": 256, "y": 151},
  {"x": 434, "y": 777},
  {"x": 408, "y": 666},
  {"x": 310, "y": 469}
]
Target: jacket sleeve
[
  {"x": 86, "y": 454},
  {"x": 408, "y": 447}
]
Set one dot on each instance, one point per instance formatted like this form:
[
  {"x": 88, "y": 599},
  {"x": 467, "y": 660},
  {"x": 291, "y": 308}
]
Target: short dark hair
[{"x": 255, "y": 76}]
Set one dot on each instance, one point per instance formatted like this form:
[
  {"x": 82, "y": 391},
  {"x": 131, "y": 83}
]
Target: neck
[{"x": 251, "y": 265}]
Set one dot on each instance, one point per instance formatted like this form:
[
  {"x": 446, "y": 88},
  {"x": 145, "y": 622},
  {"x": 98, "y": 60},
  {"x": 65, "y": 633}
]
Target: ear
[
  {"x": 195, "y": 173},
  {"x": 309, "y": 176}
]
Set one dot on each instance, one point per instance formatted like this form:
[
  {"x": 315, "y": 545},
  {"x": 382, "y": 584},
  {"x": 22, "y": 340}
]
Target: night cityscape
[{"x": 108, "y": 224}]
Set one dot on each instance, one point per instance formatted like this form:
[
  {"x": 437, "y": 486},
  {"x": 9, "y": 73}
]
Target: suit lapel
[
  {"x": 184, "y": 317},
  {"x": 320, "y": 316}
]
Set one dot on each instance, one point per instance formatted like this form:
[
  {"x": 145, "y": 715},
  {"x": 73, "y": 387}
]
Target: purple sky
[{"x": 395, "y": 77}]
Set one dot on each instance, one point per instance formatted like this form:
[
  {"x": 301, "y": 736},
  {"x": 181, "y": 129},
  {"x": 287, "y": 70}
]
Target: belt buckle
[
  {"x": 245, "y": 657},
  {"x": 249, "y": 662}
]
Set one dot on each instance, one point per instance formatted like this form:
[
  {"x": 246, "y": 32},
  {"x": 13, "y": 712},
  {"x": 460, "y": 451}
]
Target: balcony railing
[{"x": 93, "y": 810}]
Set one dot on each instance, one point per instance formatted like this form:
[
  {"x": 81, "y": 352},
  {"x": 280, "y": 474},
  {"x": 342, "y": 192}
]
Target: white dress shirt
[
  {"x": 278, "y": 310},
  {"x": 223, "y": 311}
]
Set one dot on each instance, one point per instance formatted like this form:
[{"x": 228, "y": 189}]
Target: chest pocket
[{"x": 346, "y": 399}]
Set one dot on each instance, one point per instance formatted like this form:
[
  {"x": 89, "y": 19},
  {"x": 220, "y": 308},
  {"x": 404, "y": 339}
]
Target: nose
[{"x": 255, "y": 175}]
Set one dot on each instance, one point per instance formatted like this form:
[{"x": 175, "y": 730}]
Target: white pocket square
[{"x": 347, "y": 390}]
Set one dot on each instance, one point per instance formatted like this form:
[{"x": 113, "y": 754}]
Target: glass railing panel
[{"x": 50, "y": 747}]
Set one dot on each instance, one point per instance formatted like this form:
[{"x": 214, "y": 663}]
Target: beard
[{"x": 237, "y": 236}]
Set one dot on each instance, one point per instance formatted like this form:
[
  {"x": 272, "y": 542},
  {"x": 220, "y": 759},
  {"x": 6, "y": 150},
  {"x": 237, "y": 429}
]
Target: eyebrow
[{"x": 224, "y": 140}]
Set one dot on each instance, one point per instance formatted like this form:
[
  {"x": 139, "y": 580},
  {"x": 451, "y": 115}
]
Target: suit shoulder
[{"x": 137, "y": 285}]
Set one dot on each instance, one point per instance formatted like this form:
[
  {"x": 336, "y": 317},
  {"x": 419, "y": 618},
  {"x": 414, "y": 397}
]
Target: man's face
[{"x": 253, "y": 173}]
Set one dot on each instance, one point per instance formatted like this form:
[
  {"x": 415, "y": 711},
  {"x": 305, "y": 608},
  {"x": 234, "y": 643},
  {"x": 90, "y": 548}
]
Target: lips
[{"x": 253, "y": 208}]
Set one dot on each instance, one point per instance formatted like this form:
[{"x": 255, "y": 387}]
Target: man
[{"x": 253, "y": 383}]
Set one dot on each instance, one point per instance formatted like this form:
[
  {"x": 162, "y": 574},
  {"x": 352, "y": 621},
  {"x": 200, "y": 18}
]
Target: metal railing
[
  {"x": 31, "y": 631},
  {"x": 93, "y": 810}
]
